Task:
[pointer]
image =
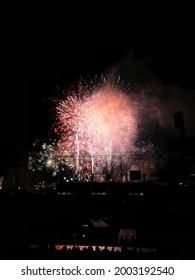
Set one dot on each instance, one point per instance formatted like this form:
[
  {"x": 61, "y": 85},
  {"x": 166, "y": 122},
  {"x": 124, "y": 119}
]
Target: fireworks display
[{"x": 96, "y": 126}]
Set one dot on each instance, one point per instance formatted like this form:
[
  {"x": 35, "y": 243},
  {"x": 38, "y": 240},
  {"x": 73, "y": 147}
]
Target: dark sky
[{"x": 25, "y": 113}]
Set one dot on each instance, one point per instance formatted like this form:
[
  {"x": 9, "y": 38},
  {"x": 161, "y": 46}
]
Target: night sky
[{"x": 26, "y": 112}]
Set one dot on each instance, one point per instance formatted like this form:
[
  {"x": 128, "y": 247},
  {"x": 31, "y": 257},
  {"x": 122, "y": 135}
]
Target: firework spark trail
[
  {"x": 103, "y": 123},
  {"x": 112, "y": 119},
  {"x": 93, "y": 125},
  {"x": 77, "y": 152}
]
